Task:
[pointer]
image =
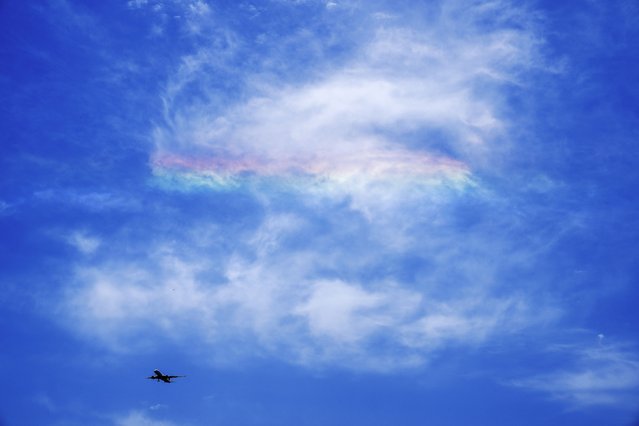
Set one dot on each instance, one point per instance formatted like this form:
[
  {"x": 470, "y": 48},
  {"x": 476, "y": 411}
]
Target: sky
[{"x": 322, "y": 212}]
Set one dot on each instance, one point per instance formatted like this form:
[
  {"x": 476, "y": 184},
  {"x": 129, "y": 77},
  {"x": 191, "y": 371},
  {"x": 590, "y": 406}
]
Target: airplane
[{"x": 159, "y": 376}]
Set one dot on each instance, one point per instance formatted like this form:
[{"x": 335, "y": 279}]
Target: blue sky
[{"x": 322, "y": 212}]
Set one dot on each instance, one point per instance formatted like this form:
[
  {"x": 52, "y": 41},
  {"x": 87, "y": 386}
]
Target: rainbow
[{"x": 180, "y": 172}]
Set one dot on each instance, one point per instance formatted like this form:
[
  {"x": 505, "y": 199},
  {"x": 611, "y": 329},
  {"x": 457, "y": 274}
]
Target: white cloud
[
  {"x": 192, "y": 17},
  {"x": 408, "y": 118},
  {"x": 84, "y": 242},
  {"x": 138, "y": 418},
  {"x": 281, "y": 302},
  {"x": 601, "y": 375},
  {"x": 157, "y": 407},
  {"x": 348, "y": 313},
  {"x": 163, "y": 299},
  {"x": 469, "y": 321},
  {"x": 389, "y": 139},
  {"x": 136, "y": 4},
  {"x": 344, "y": 112}
]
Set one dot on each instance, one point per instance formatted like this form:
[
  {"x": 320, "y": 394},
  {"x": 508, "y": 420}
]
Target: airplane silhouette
[{"x": 159, "y": 376}]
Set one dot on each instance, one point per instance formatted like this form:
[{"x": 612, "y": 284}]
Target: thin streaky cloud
[{"x": 597, "y": 375}]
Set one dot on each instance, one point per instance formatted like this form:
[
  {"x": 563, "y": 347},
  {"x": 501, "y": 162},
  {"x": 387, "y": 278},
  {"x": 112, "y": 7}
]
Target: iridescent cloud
[{"x": 393, "y": 167}]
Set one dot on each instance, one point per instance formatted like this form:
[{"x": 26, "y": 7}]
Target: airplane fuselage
[{"x": 163, "y": 377}]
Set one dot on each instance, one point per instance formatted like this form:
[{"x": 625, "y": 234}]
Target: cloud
[
  {"x": 157, "y": 407},
  {"x": 332, "y": 304},
  {"x": 136, "y": 4},
  {"x": 192, "y": 17},
  {"x": 410, "y": 119},
  {"x": 266, "y": 298},
  {"x": 601, "y": 375},
  {"x": 367, "y": 246},
  {"x": 6, "y": 208},
  {"x": 94, "y": 201},
  {"x": 84, "y": 242},
  {"x": 138, "y": 418},
  {"x": 375, "y": 116}
]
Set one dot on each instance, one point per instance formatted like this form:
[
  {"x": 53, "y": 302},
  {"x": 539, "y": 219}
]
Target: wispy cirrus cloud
[
  {"x": 419, "y": 104},
  {"x": 362, "y": 170},
  {"x": 192, "y": 17},
  {"x": 90, "y": 200},
  {"x": 596, "y": 375}
]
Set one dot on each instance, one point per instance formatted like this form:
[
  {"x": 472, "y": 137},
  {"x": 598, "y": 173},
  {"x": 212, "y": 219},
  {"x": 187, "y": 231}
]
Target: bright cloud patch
[
  {"x": 416, "y": 106},
  {"x": 307, "y": 322},
  {"x": 288, "y": 303}
]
